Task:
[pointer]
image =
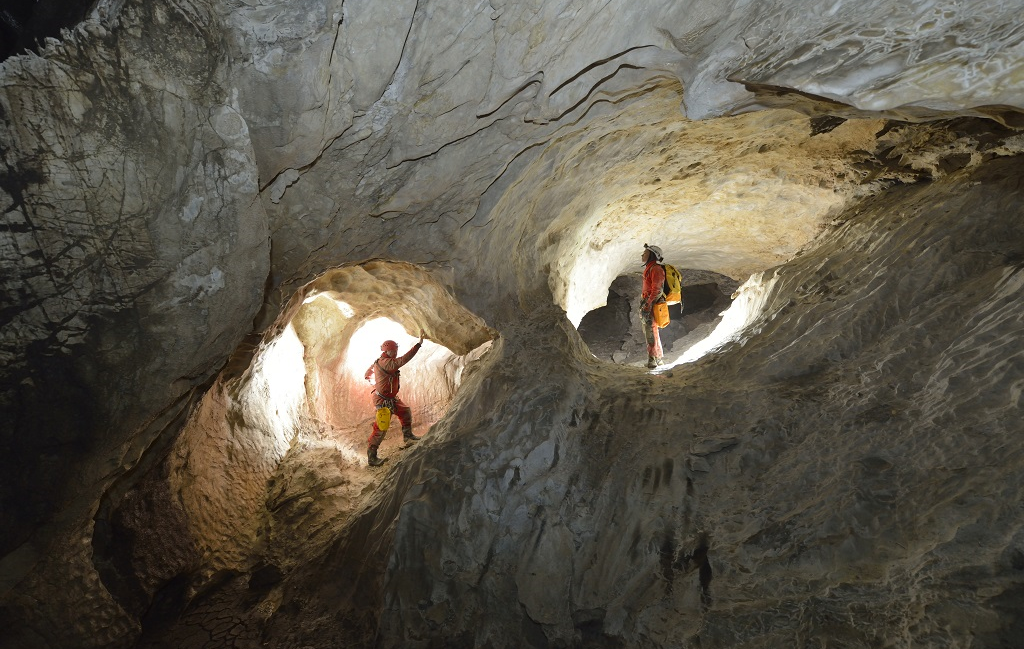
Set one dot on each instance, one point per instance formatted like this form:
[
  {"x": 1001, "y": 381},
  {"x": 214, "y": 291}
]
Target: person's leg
[
  {"x": 653, "y": 337},
  {"x": 376, "y": 437},
  {"x": 657, "y": 351},
  {"x": 372, "y": 444},
  {"x": 404, "y": 414}
]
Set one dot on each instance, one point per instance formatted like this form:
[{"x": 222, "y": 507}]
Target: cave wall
[
  {"x": 135, "y": 244},
  {"x": 840, "y": 476},
  {"x": 907, "y": 480},
  {"x": 173, "y": 173}
]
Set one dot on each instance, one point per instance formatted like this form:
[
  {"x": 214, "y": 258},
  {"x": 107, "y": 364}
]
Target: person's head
[
  {"x": 652, "y": 251},
  {"x": 390, "y": 348}
]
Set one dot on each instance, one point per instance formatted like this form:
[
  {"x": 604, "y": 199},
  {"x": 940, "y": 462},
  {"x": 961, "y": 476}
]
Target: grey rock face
[
  {"x": 844, "y": 471},
  {"x": 135, "y": 242},
  {"x": 666, "y": 509}
]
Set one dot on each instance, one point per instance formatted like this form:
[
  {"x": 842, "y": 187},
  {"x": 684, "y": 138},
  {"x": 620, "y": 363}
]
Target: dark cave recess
[{"x": 25, "y": 24}]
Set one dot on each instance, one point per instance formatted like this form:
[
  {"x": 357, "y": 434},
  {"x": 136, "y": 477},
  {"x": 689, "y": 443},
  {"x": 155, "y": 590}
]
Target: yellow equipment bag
[
  {"x": 673, "y": 285},
  {"x": 383, "y": 419},
  {"x": 660, "y": 314}
]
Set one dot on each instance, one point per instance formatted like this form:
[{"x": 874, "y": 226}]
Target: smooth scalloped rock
[{"x": 844, "y": 472}]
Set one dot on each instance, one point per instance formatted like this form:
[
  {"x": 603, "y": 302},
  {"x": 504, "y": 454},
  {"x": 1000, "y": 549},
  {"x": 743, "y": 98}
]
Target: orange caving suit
[
  {"x": 386, "y": 384},
  {"x": 654, "y": 284}
]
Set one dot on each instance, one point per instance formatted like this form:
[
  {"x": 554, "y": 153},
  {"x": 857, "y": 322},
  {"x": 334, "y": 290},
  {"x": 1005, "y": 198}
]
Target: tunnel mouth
[
  {"x": 296, "y": 422},
  {"x": 344, "y": 316},
  {"x": 340, "y": 397},
  {"x": 614, "y": 332},
  {"x": 272, "y": 462}
]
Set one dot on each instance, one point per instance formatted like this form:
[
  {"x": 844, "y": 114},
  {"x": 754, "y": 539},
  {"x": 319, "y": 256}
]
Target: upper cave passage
[{"x": 614, "y": 332}]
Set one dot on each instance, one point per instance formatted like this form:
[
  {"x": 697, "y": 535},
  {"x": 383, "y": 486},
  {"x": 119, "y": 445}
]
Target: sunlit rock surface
[{"x": 214, "y": 211}]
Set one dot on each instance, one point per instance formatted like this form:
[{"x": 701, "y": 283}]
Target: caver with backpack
[
  {"x": 653, "y": 307},
  {"x": 385, "y": 396}
]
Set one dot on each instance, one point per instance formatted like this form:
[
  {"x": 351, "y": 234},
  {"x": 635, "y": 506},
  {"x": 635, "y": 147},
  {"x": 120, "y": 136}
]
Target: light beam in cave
[
  {"x": 736, "y": 320},
  {"x": 277, "y": 390},
  {"x": 364, "y": 347}
]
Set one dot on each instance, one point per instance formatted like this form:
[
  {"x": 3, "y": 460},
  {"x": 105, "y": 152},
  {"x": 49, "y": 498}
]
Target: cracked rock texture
[{"x": 205, "y": 203}]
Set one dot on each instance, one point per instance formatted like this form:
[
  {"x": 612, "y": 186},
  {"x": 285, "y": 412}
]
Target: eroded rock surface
[{"x": 182, "y": 454}]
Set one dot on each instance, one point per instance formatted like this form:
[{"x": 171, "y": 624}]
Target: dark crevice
[
  {"x": 825, "y": 124},
  {"x": 700, "y": 557},
  {"x": 26, "y": 24},
  {"x": 596, "y": 64},
  {"x": 667, "y": 555},
  {"x": 41, "y": 443},
  {"x": 535, "y": 79},
  {"x": 600, "y": 82},
  {"x": 118, "y": 526},
  {"x": 168, "y": 604}
]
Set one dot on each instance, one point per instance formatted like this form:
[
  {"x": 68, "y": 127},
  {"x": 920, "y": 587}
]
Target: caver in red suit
[
  {"x": 653, "y": 291},
  {"x": 385, "y": 393}
]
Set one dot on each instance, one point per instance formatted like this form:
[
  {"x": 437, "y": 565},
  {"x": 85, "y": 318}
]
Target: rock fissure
[{"x": 594, "y": 65}]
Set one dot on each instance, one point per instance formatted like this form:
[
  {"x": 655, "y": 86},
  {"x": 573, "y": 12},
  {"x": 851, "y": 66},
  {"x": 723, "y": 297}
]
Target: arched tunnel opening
[
  {"x": 303, "y": 399},
  {"x": 281, "y": 446},
  {"x": 614, "y": 332},
  {"x": 347, "y": 313}
]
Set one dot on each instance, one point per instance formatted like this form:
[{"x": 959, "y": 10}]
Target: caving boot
[
  {"x": 408, "y": 436},
  {"x": 652, "y": 362},
  {"x": 371, "y": 457}
]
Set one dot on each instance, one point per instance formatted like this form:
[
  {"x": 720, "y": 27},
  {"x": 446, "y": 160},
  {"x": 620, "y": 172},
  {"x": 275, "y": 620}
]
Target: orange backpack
[{"x": 659, "y": 312}]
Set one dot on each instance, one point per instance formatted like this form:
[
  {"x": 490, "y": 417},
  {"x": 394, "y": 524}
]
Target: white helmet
[{"x": 656, "y": 251}]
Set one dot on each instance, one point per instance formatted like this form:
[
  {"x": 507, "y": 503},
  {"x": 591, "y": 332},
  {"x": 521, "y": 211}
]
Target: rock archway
[
  {"x": 304, "y": 390},
  {"x": 273, "y": 458},
  {"x": 345, "y": 315}
]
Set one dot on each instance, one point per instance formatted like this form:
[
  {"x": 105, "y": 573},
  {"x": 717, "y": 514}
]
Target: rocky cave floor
[{"x": 315, "y": 491}]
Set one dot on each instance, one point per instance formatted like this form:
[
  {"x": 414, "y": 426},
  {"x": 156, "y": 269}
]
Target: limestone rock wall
[
  {"x": 175, "y": 172},
  {"x": 912, "y": 476},
  {"x": 134, "y": 244},
  {"x": 841, "y": 476}
]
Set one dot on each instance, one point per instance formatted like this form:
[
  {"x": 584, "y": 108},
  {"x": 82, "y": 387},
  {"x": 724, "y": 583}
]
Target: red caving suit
[
  {"x": 386, "y": 384},
  {"x": 654, "y": 284}
]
